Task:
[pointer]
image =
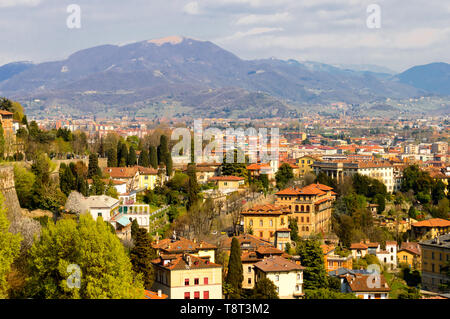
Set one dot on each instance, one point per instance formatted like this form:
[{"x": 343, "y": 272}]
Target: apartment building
[{"x": 435, "y": 262}]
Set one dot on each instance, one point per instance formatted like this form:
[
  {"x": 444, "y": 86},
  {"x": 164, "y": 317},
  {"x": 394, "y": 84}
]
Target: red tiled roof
[
  {"x": 360, "y": 283},
  {"x": 433, "y": 222},
  {"x": 230, "y": 178},
  {"x": 277, "y": 264},
  {"x": 153, "y": 295},
  {"x": 180, "y": 263},
  {"x": 358, "y": 246},
  {"x": 267, "y": 209}
]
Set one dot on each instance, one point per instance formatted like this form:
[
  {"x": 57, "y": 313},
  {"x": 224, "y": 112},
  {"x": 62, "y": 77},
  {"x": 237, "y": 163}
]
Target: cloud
[
  {"x": 252, "y": 32},
  {"x": 264, "y": 18},
  {"x": 192, "y": 8},
  {"x": 17, "y": 3}
]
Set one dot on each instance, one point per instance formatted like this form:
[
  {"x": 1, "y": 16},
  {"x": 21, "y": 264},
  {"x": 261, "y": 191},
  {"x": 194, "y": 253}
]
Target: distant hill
[
  {"x": 433, "y": 77},
  {"x": 9, "y": 70},
  {"x": 198, "y": 75}
]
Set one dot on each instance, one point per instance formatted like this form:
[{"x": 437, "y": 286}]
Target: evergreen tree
[
  {"x": 169, "y": 165},
  {"x": 112, "y": 157},
  {"x": 98, "y": 186},
  {"x": 67, "y": 181},
  {"x": 2, "y": 142},
  {"x": 235, "y": 275},
  {"x": 131, "y": 159},
  {"x": 134, "y": 229},
  {"x": 141, "y": 256},
  {"x": 264, "y": 289},
  {"x": 122, "y": 160},
  {"x": 153, "y": 157},
  {"x": 163, "y": 150},
  {"x": 144, "y": 159},
  {"x": 412, "y": 212},
  {"x": 193, "y": 188},
  {"x": 93, "y": 168},
  {"x": 284, "y": 175},
  {"x": 311, "y": 255}
]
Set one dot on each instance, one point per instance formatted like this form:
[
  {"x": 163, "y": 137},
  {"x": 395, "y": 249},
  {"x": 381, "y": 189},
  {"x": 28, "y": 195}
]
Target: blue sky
[{"x": 330, "y": 31}]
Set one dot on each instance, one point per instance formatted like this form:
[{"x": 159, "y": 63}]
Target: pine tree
[
  {"x": 144, "y": 159},
  {"x": 193, "y": 188},
  {"x": 264, "y": 289},
  {"x": 311, "y": 255},
  {"x": 134, "y": 229},
  {"x": 112, "y": 157},
  {"x": 169, "y": 165},
  {"x": 153, "y": 157},
  {"x": 235, "y": 275},
  {"x": 67, "y": 181},
  {"x": 93, "y": 168},
  {"x": 163, "y": 150},
  {"x": 141, "y": 256},
  {"x": 131, "y": 159},
  {"x": 122, "y": 160}
]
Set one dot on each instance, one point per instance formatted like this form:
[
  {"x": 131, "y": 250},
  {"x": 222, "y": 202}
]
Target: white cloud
[
  {"x": 16, "y": 3},
  {"x": 252, "y": 32},
  {"x": 192, "y": 8},
  {"x": 264, "y": 18}
]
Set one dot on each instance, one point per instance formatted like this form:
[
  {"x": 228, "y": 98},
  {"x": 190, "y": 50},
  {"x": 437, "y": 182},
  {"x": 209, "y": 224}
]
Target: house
[
  {"x": 341, "y": 273},
  {"x": 258, "y": 169},
  {"x": 265, "y": 220},
  {"x": 435, "y": 260},
  {"x": 285, "y": 274},
  {"x": 228, "y": 182},
  {"x": 138, "y": 212},
  {"x": 128, "y": 174},
  {"x": 334, "y": 261},
  {"x": 185, "y": 276},
  {"x": 181, "y": 245},
  {"x": 430, "y": 228},
  {"x": 366, "y": 286},
  {"x": 359, "y": 250},
  {"x": 98, "y": 206},
  {"x": 148, "y": 177},
  {"x": 388, "y": 257},
  {"x": 310, "y": 206},
  {"x": 204, "y": 172},
  {"x": 304, "y": 164},
  {"x": 410, "y": 254}
]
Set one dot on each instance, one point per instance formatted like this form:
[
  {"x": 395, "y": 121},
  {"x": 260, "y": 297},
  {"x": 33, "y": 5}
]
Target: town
[{"x": 352, "y": 207}]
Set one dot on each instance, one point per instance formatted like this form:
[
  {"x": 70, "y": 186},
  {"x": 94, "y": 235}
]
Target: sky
[{"x": 412, "y": 32}]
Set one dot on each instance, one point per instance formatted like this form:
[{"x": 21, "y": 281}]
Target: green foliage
[
  {"x": 193, "y": 188},
  {"x": 153, "y": 157},
  {"x": 131, "y": 159},
  {"x": 24, "y": 181},
  {"x": 264, "y": 289},
  {"x": 141, "y": 257},
  {"x": 284, "y": 175},
  {"x": 235, "y": 168},
  {"x": 412, "y": 278},
  {"x": 172, "y": 213},
  {"x": 144, "y": 159},
  {"x": 412, "y": 212},
  {"x": 93, "y": 168},
  {"x": 134, "y": 229},
  {"x": 409, "y": 293},
  {"x": 293, "y": 226},
  {"x": 322, "y": 178},
  {"x": 112, "y": 157},
  {"x": 9, "y": 248},
  {"x": 235, "y": 275},
  {"x": 365, "y": 261},
  {"x": 381, "y": 201},
  {"x": 324, "y": 293},
  {"x": 311, "y": 255}
]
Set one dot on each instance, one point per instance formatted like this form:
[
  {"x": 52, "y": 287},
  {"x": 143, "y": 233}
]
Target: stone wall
[{"x": 7, "y": 188}]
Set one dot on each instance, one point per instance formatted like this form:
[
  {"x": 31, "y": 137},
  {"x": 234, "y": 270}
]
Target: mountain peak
[{"x": 172, "y": 40}]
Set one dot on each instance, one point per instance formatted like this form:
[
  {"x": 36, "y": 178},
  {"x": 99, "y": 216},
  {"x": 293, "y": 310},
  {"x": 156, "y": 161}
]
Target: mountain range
[{"x": 200, "y": 78}]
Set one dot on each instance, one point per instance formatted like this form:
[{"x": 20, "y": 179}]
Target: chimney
[{"x": 159, "y": 293}]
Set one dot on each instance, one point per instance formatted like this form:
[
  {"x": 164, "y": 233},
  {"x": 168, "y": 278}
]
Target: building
[
  {"x": 154, "y": 295},
  {"x": 265, "y": 220},
  {"x": 185, "y": 276},
  {"x": 410, "y": 254},
  {"x": 181, "y": 245},
  {"x": 148, "y": 177},
  {"x": 380, "y": 170},
  {"x": 128, "y": 174},
  {"x": 98, "y": 206},
  {"x": 439, "y": 148},
  {"x": 334, "y": 261},
  {"x": 359, "y": 250},
  {"x": 305, "y": 164},
  {"x": 285, "y": 274},
  {"x": 228, "y": 182},
  {"x": 435, "y": 262},
  {"x": 430, "y": 228},
  {"x": 366, "y": 286},
  {"x": 310, "y": 206},
  {"x": 388, "y": 257}
]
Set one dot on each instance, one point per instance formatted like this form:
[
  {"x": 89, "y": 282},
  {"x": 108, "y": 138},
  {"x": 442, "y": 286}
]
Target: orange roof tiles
[{"x": 433, "y": 222}]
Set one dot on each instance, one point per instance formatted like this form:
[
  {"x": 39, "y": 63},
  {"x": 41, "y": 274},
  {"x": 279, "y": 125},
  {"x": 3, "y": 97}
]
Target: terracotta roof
[
  {"x": 257, "y": 166},
  {"x": 358, "y": 246},
  {"x": 3, "y": 112},
  {"x": 180, "y": 263},
  {"x": 147, "y": 170},
  {"x": 277, "y": 264},
  {"x": 267, "y": 209},
  {"x": 411, "y": 247},
  {"x": 121, "y": 172},
  {"x": 153, "y": 295},
  {"x": 327, "y": 249},
  {"x": 360, "y": 283},
  {"x": 246, "y": 241},
  {"x": 181, "y": 245},
  {"x": 433, "y": 222}
]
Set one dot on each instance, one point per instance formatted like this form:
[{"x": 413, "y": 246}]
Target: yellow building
[
  {"x": 333, "y": 261},
  {"x": 148, "y": 177},
  {"x": 305, "y": 165},
  {"x": 311, "y": 206},
  {"x": 435, "y": 261},
  {"x": 410, "y": 254},
  {"x": 430, "y": 228},
  {"x": 265, "y": 220},
  {"x": 182, "y": 245},
  {"x": 185, "y": 276},
  {"x": 228, "y": 182}
]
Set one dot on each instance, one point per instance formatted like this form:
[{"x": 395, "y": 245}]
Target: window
[
  {"x": 206, "y": 295},
  {"x": 99, "y": 215},
  {"x": 307, "y": 219},
  {"x": 277, "y": 278},
  {"x": 432, "y": 255},
  {"x": 261, "y": 222},
  {"x": 250, "y": 222},
  {"x": 186, "y": 282},
  {"x": 197, "y": 295},
  {"x": 271, "y": 234},
  {"x": 296, "y": 208},
  {"x": 302, "y": 219},
  {"x": 270, "y": 223},
  {"x": 249, "y": 281},
  {"x": 261, "y": 234},
  {"x": 299, "y": 276},
  {"x": 249, "y": 269},
  {"x": 205, "y": 280},
  {"x": 187, "y": 295},
  {"x": 196, "y": 281}
]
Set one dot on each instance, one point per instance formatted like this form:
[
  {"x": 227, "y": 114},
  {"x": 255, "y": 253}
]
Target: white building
[
  {"x": 100, "y": 206},
  {"x": 285, "y": 274},
  {"x": 388, "y": 257}
]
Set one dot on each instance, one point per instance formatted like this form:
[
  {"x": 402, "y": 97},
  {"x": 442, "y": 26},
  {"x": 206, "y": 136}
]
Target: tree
[
  {"x": 172, "y": 213},
  {"x": 284, "y": 175},
  {"x": 2, "y": 142},
  {"x": 235, "y": 275},
  {"x": 134, "y": 229},
  {"x": 193, "y": 188},
  {"x": 293, "y": 226},
  {"x": 122, "y": 154},
  {"x": 112, "y": 157},
  {"x": 163, "y": 150},
  {"x": 105, "y": 270},
  {"x": 67, "y": 181},
  {"x": 93, "y": 168},
  {"x": 141, "y": 257},
  {"x": 412, "y": 212},
  {"x": 381, "y": 201},
  {"x": 437, "y": 192},
  {"x": 311, "y": 255},
  {"x": 324, "y": 293},
  {"x": 264, "y": 289},
  {"x": 98, "y": 186},
  {"x": 24, "y": 181},
  {"x": 144, "y": 159},
  {"x": 131, "y": 159},
  {"x": 9, "y": 248},
  {"x": 153, "y": 157}
]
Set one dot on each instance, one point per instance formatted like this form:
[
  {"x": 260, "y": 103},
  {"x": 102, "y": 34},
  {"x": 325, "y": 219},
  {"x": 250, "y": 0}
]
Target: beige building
[
  {"x": 285, "y": 274},
  {"x": 435, "y": 261},
  {"x": 228, "y": 182},
  {"x": 185, "y": 276}
]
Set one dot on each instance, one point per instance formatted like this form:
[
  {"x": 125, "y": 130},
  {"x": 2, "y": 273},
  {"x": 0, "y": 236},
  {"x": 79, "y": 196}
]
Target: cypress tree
[
  {"x": 123, "y": 159},
  {"x": 93, "y": 168},
  {"x": 2, "y": 141},
  {"x": 235, "y": 275},
  {"x": 134, "y": 229},
  {"x": 141, "y": 256},
  {"x": 131, "y": 159},
  {"x": 193, "y": 188},
  {"x": 112, "y": 157},
  {"x": 169, "y": 165},
  {"x": 144, "y": 159},
  {"x": 153, "y": 157},
  {"x": 163, "y": 150}
]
